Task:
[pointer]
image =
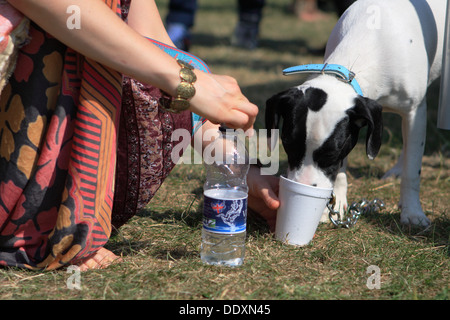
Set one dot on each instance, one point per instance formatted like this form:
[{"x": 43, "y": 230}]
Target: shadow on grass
[
  {"x": 437, "y": 234},
  {"x": 178, "y": 253},
  {"x": 255, "y": 223},
  {"x": 121, "y": 246}
]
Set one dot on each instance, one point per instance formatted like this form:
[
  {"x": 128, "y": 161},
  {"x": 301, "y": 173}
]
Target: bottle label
[{"x": 224, "y": 215}]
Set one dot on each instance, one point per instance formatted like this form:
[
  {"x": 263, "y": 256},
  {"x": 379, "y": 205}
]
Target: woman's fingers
[{"x": 220, "y": 100}]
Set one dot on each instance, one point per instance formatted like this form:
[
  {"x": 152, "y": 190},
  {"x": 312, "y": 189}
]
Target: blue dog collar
[{"x": 341, "y": 72}]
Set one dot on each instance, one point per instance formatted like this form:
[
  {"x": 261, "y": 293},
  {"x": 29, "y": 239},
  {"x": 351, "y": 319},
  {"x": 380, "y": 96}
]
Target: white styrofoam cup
[{"x": 301, "y": 207}]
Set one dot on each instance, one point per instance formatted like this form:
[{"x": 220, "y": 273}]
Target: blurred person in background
[{"x": 181, "y": 17}]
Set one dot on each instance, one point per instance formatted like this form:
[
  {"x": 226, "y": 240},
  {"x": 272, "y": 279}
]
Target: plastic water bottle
[{"x": 225, "y": 200}]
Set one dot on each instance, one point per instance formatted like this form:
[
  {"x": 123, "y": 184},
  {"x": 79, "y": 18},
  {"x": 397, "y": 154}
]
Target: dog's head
[{"x": 321, "y": 124}]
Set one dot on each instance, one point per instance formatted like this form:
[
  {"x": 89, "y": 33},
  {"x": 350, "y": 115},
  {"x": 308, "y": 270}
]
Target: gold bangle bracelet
[{"x": 185, "y": 90}]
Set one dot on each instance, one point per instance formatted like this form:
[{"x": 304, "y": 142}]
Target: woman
[{"x": 65, "y": 125}]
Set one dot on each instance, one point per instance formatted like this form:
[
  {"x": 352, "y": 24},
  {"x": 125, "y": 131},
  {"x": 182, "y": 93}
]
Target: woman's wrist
[{"x": 184, "y": 91}]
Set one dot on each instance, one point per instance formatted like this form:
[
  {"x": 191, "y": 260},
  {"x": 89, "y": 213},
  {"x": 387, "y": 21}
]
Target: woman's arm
[
  {"x": 104, "y": 37},
  {"x": 144, "y": 18}
]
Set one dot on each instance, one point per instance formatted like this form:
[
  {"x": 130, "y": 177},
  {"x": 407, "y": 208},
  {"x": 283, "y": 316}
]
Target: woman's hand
[
  {"x": 263, "y": 195},
  {"x": 219, "y": 99}
]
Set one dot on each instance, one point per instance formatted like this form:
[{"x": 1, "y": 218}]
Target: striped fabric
[
  {"x": 81, "y": 151},
  {"x": 57, "y": 154}
]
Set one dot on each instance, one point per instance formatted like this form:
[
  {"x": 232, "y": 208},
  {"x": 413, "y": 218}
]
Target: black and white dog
[{"x": 394, "y": 51}]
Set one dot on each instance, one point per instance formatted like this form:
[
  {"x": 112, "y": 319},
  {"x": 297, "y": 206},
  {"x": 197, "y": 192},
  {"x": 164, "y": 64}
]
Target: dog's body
[{"x": 395, "y": 49}]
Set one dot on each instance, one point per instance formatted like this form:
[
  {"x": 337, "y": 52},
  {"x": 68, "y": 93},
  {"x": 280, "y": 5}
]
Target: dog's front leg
[
  {"x": 340, "y": 191},
  {"x": 414, "y": 133}
]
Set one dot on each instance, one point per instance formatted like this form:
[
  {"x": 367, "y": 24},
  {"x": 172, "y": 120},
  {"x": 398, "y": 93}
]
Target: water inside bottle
[{"x": 223, "y": 248}]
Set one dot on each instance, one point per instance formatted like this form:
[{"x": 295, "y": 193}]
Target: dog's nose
[{"x": 314, "y": 184}]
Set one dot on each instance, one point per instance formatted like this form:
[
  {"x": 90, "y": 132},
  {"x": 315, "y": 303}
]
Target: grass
[{"x": 160, "y": 245}]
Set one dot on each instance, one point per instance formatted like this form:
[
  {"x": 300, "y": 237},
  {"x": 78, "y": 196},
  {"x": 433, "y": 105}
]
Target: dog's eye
[{"x": 335, "y": 148}]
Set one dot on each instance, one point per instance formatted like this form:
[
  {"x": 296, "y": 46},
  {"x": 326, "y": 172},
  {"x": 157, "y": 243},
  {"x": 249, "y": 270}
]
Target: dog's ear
[
  {"x": 368, "y": 112},
  {"x": 279, "y": 105}
]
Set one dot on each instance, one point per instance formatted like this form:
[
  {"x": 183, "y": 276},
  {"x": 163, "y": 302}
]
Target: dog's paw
[{"x": 416, "y": 218}]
